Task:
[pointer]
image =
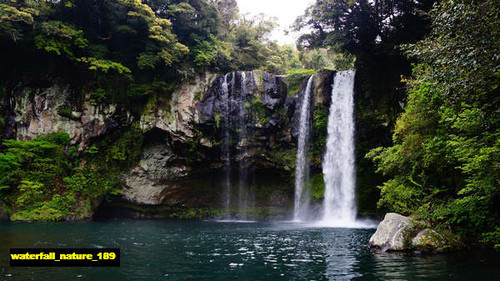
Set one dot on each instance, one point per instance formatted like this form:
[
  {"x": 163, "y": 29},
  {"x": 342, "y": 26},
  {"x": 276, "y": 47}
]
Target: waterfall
[
  {"x": 225, "y": 149},
  {"x": 338, "y": 163},
  {"x": 302, "y": 165},
  {"x": 243, "y": 196},
  {"x": 233, "y": 120}
]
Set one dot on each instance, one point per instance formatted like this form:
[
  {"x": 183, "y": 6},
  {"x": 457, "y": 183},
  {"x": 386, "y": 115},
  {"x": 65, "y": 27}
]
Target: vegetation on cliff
[
  {"x": 427, "y": 95},
  {"x": 47, "y": 179}
]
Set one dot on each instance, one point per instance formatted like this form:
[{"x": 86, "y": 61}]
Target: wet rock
[
  {"x": 323, "y": 81},
  {"x": 391, "y": 232},
  {"x": 275, "y": 91}
]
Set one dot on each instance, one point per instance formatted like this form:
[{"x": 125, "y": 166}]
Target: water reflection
[{"x": 339, "y": 255}]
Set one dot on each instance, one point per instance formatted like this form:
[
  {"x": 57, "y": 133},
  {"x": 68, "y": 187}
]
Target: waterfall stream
[
  {"x": 302, "y": 165},
  {"x": 225, "y": 149},
  {"x": 338, "y": 163},
  {"x": 233, "y": 121},
  {"x": 243, "y": 196}
]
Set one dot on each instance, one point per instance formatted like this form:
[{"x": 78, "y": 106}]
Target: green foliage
[
  {"x": 15, "y": 19},
  {"x": 295, "y": 78},
  {"x": 317, "y": 186},
  {"x": 31, "y": 171},
  {"x": 492, "y": 237},
  {"x": 285, "y": 157},
  {"x": 91, "y": 183},
  {"x": 43, "y": 213},
  {"x": 463, "y": 50},
  {"x": 281, "y": 59},
  {"x": 39, "y": 181},
  {"x": 217, "y": 120},
  {"x": 104, "y": 65},
  {"x": 60, "y": 39},
  {"x": 259, "y": 108},
  {"x": 30, "y": 193},
  {"x": 444, "y": 164},
  {"x": 120, "y": 150},
  {"x": 105, "y": 41},
  {"x": 158, "y": 88},
  {"x": 40, "y": 160},
  {"x": 319, "y": 58},
  {"x": 205, "y": 53},
  {"x": 320, "y": 123},
  {"x": 64, "y": 112},
  {"x": 98, "y": 96}
]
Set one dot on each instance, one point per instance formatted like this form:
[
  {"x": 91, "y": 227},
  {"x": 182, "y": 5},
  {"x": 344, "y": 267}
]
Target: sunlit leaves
[
  {"x": 104, "y": 65},
  {"x": 60, "y": 39}
]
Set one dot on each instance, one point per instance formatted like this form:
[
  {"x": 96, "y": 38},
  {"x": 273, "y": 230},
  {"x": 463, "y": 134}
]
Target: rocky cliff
[{"x": 207, "y": 134}]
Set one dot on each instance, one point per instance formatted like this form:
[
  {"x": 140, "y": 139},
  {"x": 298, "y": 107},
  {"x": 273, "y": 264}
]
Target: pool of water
[{"x": 208, "y": 250}]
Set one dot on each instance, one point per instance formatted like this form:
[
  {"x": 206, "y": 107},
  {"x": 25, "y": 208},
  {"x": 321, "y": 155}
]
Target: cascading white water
[
  {"x": 242, "y": 138},
  {"x": 226, "y": 152},
  {"x": 338, "y": 163},
  {"x": 301, "y": 164}
]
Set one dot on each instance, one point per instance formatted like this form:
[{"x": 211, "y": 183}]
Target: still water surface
[{"x": 166, "y": 250}]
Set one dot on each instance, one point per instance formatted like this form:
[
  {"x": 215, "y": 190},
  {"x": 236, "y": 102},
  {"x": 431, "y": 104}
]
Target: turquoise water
[{"x": 166, "y": 250}]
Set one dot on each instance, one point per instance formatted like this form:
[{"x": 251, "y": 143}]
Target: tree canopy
[{"x": 445, "y": 161}]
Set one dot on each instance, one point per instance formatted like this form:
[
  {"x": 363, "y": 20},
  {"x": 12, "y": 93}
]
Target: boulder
[
  {"x": 428, "y": 239},
  {"x": 391, "y": 232}
]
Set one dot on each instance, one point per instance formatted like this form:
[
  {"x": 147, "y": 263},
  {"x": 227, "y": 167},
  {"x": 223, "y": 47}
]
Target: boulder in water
[
  {"x": 391, "y": 232},
  {"x": 400, "y": 233}
]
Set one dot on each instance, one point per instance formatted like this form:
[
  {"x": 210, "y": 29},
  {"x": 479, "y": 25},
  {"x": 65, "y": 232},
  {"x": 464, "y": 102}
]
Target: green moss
[
  {"x": 120, "y": 149},
  {"x": 317, "y": 186},
  {"x": 284, "y": 157},
  {"x": 44, "y": 213},
  {"x": 320, "y": 123},
  {"x": 265, "y": 120},
  {"x": 197, "y": 95},
  {"x": 259, "y": 109},
  {"x": 64, "y": 112},
  {"x": 217, "y": 120}
]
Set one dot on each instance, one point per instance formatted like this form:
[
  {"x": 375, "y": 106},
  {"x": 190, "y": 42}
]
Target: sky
[{"x": 286, "y": 11}]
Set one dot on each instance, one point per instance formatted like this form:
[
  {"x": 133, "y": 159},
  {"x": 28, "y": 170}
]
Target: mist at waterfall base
[{"x": 339, "y": 205}]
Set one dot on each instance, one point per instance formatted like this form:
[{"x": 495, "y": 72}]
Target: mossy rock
[{"x": 429, "y": 239}]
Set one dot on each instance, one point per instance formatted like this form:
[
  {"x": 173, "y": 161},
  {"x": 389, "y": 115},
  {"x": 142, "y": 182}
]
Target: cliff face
[
  {"x": 208, "y": 126},
  {"x": 35, "y": 112},
  {"x": 207, "y": 134}
]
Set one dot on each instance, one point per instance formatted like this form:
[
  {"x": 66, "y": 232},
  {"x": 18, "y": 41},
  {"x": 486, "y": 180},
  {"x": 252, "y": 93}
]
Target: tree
[{"x": 445, "y": 161}]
